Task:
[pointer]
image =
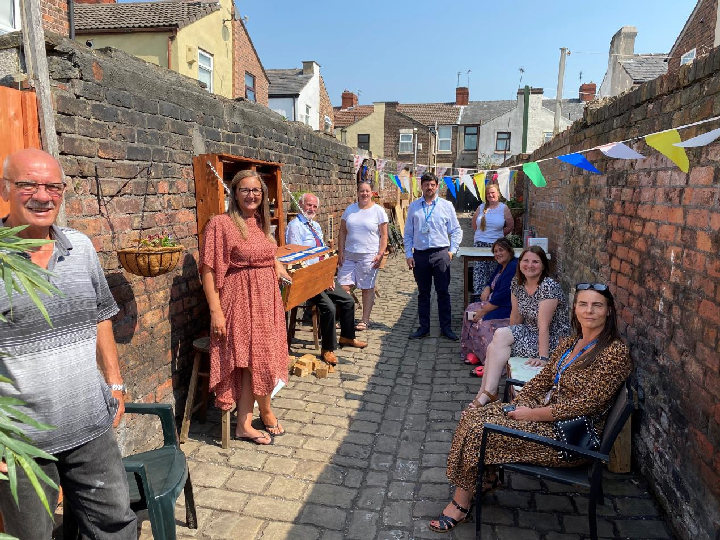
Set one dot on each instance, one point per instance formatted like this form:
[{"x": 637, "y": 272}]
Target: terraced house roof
[
  {"x": 287, "y": 82},
  {"x": 176, "y": 14},
  {"x": 429, "y": 113},
  {"x": 346, "y": 117},
  {"x": 645, "y": 67}
]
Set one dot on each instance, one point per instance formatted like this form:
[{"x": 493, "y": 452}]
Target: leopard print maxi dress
[{"x": 582, "y": 391}]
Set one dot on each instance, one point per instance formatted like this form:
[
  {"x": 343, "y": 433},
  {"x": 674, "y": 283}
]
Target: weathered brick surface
[
  {"x": 55, "y": 16},
  {"x": 698, "y": 33},
  {"x": 245, "y": 59},
  {"x": 651, "y": 232}
]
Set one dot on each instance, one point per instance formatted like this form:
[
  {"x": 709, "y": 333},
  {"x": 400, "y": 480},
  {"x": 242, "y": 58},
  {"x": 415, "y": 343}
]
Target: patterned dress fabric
[
  {"x": 526, "y": 334},
  {"x": 250, "y": 299},
  {"x": 583, "y": 390},
  {"x": 483, "y": 270}
]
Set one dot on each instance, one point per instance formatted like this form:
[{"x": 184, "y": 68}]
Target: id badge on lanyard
[{"x": 425, "y": 229}]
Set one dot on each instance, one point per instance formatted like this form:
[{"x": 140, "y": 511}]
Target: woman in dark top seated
[
  {"x": 582, "y": 377},
  {"x": 493, "y": 310}
]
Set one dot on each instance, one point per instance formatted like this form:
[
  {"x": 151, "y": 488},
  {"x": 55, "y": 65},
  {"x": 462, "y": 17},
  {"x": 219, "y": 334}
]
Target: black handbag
[{"x": 578, "y": 431}]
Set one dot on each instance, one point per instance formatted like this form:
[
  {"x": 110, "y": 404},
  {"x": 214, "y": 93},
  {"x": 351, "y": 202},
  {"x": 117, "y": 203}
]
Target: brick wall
[
  {"x": 55, "y": 16},
  {"x": 651, "y": 232},
  {"x": 245, "y": 59},
  {"x": 326, "y": 108},
  {"x": 394, "y": 122},
  {"x": 698, "y": 34},
  {"x": 116, "y": 117}
]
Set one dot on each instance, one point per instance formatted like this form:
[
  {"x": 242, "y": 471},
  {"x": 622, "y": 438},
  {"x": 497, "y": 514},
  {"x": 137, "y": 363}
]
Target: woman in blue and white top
[
  {"x": 361, "y": 246},
  {"x": 492, "y": 220}
]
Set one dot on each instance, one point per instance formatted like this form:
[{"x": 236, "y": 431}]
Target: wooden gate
[{"x": 18, "y": 126}]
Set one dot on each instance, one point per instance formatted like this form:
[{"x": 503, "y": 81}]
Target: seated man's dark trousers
[
  {"x": 95, "y": 484},
  {"x": 433, "y": 265},
  {"x": 329, "y": 303}
]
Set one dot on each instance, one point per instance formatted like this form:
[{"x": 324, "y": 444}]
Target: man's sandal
[{"x": 446, "y": 523}]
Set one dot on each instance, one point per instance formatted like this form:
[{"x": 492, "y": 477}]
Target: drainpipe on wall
[
  {"x": 526, "y": 113},
  {"x": 171, "y": 38},
  {"x": 71, "y": 18}
]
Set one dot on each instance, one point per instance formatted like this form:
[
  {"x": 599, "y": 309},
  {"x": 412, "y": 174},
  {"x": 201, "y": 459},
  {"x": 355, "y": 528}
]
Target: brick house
[
  {"x": 300, "y": 95},
  {"x": 54, "y": 15},
  {"x": 625, "y": 68},
  {"x": 250, "y": 81},
  {"x": 699, "y": 36}
]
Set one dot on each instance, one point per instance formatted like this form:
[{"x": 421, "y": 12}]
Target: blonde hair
[
  {"x": 262, "y": 214},
  {"x": 483, "y": 223}
]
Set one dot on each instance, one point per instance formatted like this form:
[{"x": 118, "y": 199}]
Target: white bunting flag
[
  {"x": 420, "y": 169},
  {"x": 440, "y": 171},
  {"x": 358, "y": 162},
  {"x": 503, "y": 178},
  {"x": 467, "y": 181},
  {"x": 462, "y": 172},
  {"x": 700, "y": 140},
  {"x": 381, "y": 164},
  {"x": 619, "y": 150}
]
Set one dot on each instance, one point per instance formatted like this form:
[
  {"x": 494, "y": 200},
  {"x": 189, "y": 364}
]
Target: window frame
[
  {"x": 498, "y": 139},
  {"x": 401, "y": 142},
  {"x": 203, "y": 67},
  {"x": 15, "y": 4},
  {"x": 250, "y": 89},
  {"x": 359, "y": 143},
  {"x": 465, "y": 135},
  {"x": 545, "y": 136},
  {"x": 689, "y": 57},
  {"x": 448, "y": 139}
]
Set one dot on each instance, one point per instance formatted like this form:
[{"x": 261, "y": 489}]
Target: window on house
[
  {"x": 363, "y": 141},
  {"x": 471, "y": 138},
  {"x": 688, "y": 57},
  {"x": 444, "y": 138},
  {"x": 205, "y": 69},
  {"x": 9, "y": 16},
  {"x": 547, "y": 135},
  {"x": 502, "y": 141},
  {"x": 250, "y": 87},
  {"x": 406, "y": 143},
  {"x": 306, "y": 116}
]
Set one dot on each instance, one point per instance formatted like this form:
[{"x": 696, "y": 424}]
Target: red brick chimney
[
  {"x": 587, "y": 91},
  {"x": 462, "y": 95},
  {"x": 96, "y": 1},
  {"x": 348, "y": 100}
]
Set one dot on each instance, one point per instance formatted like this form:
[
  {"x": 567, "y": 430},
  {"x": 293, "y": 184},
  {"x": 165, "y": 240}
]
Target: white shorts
[{"x": 357, "y": 270}]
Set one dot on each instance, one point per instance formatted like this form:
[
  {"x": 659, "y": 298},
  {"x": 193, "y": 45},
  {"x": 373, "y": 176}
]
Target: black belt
[{"x": 432, "y": 250}]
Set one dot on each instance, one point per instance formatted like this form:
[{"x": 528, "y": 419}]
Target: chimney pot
[
  {"x": 348, "y": 100},
  {"x": 462, "y": 95},
  {"x": 587, "y": 91}
]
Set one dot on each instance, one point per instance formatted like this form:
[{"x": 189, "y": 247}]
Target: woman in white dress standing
[
  {"x": 361, "y": 246},
  {"x": 492, "y": 220}
]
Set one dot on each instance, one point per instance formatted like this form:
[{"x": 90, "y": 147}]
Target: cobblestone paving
[{"x": 365, "y": 451}]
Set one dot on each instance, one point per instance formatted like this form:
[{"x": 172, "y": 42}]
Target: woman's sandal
[
  {"x": 447, "y": 523},
  {"x": 255, "y": 440},
  {"x": 362, "y": 326},
  {"x": 478, "y": 372},
  {"x": 493, "y": 399},
  {"x": 276, "y": 426},
  {"x": 471, "y": 359}
]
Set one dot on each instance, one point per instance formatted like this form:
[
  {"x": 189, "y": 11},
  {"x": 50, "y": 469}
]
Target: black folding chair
[{"x": 587, "y": 476}]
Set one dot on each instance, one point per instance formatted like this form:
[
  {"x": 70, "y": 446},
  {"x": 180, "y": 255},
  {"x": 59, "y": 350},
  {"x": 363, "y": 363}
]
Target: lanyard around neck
[
  {"x": 427, "y": 215},
  {"x": 562, "y": 366}
]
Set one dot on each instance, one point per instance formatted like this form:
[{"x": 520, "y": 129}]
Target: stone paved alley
[{"x": 365, "y": 453}]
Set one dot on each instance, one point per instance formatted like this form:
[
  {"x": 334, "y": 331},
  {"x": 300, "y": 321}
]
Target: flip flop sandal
[
  {"x": 276, "y": 426},
  {"x": 478, "y": 372},
  {"x": 254, "y": 440},
  {"x": 447, "y": 523},
  {"x": 362, "y": 326}
]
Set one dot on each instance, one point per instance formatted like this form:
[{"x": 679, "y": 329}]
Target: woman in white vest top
[{"x": 492, "y": 220}]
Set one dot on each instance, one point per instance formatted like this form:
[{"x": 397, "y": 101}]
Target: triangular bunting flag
[
  {"x": 400, "y": 166},
  {"x": 664, "y": 143},
  {"x": 511, "y": 182},
  {"x": 419, "y": 170},
  {"x": 461, "y": 172},
  {"x": 450, "y": 183},
  {"x": 503, "y": 177},
  {"x": 396, "y": 180},
  {"x": 380, "y": 165},
  {"x": 413, "y": 183},
  {"x": 700, "y": 140},
  {"x": 532, "y": 170},
  {"x": 358, "y": 162},
  {"x": 480, "y": 184},
  {"x": 619, "y": 150},
  {"x": 579, "y": 161},
  {"x": 466, "y": 180},
  {"x": 440, "y": 171}
]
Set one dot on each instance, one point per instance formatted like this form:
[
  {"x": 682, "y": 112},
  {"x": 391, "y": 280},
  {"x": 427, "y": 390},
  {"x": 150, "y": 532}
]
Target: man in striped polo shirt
[{"x": 67, "y": 374}]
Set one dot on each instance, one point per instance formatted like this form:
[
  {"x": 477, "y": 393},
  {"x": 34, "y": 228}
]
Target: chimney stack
[
  {"x": 348, "y": 100},
  {"x": 462, "y": 95},
  {"x": 587, "y": 91}
]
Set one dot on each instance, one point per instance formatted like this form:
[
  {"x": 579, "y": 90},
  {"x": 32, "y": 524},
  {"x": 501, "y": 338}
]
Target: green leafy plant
[
  {"x": 158, "y": 240},
  {"x": 512, "y": 203},
  {"x": 296, "y": 197},
  {"x": 515, "y": 240},
  {"x": 24, "y": 277}
]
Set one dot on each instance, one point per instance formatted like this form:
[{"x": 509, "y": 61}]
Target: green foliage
[
  {"x": 296, "y": 197},
  {"x": 512, "y": 203},
  {"x": 515, "y": 240},
  {"x": 158, "y": 240}
]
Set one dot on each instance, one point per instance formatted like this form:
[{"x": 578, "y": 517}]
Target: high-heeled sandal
[{"x": 446, "y": 523}]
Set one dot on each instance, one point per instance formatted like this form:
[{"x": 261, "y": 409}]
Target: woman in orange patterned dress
[{"x": 248, "y": 341}]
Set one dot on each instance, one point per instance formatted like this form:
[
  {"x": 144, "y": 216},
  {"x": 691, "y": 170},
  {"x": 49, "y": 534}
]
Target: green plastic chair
[{"x": 155, "y": 479}]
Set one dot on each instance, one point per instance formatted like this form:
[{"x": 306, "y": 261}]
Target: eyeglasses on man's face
[
  {"x": 248, "y": 191},
  {"x": 599, "y": 287},
  {"x": 24, "y": 187}
]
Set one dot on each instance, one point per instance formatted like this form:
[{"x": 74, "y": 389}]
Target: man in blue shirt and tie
[{"x": 432, "y": 237}]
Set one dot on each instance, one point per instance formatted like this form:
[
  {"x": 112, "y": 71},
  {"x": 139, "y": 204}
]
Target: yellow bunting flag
[
  {"x": 664, "y": 143},
  {"x": 480, "y": 184}
]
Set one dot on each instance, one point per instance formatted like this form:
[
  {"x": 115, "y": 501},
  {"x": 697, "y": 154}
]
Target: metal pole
[
  {"x": 415, "y": 145},
  {"x": 526, "y": 117},
  {"x": 558, "y": 96}
]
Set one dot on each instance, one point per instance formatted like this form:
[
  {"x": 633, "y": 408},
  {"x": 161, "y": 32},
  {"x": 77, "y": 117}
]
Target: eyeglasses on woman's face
[
  {"x": 599, "y": 287},
  {"x": 24, "y": 187},
  {"x": 247, "y": 191}
]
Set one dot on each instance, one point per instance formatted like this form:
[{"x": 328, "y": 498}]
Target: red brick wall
[
  {"x": 651, "y": 232},
  {"x": 394, "y": 122},
  {"x": 55, "y": 16},
  {"x": 245, "y": 59},
  {"x": 326, "y": 108},
  {"x": 699, "y": 34}
]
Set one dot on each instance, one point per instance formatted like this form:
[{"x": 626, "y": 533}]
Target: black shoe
[
  {"x": 419, "y": 333},
  {"x": 449, "y": 334}
]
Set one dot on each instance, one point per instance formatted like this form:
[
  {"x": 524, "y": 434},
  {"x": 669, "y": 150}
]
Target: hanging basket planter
[
  {"x": 517, "y": 212},
  {"x": 150, "y": 261}
]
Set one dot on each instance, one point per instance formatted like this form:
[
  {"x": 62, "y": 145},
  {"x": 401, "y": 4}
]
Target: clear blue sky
[{"x": 398, "y": 50}]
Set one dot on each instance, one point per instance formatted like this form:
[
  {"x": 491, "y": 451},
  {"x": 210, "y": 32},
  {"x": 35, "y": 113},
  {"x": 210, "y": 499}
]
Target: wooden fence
[{"x": 18, "y": 125}]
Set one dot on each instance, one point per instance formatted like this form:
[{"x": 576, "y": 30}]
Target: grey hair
[
  {"x": 301, "y": 200},
  {"x": 6, "y": 164}
]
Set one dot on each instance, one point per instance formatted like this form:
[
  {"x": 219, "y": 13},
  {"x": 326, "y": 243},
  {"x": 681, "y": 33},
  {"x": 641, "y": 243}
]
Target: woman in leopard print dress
[{"x": 582, "y": 378}]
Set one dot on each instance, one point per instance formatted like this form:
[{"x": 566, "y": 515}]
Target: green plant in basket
[
  {"x": 157, "y": 240},
  {"x": 515, "y": 240}
]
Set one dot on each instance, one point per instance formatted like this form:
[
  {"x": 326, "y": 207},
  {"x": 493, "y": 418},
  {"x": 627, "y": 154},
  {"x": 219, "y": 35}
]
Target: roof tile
[
  {"x": 286, "y": 82},
  {"x": 173, "y": 14}
]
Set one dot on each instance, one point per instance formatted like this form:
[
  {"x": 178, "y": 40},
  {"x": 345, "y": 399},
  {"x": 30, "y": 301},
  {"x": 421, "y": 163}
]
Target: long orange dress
[{"x": 250, "y": 299}]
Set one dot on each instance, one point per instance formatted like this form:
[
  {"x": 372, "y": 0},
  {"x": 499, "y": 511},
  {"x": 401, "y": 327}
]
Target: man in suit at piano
[{"x": 305, "y": 231}]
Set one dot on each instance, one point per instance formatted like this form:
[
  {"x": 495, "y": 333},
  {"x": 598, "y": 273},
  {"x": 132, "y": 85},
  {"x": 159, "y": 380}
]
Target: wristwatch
[
  {"x": 118, "y": 388},
  {"x": 544, "y": 358}
]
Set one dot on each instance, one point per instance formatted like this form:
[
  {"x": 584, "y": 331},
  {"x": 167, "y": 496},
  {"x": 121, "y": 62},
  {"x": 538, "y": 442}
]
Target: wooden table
[{"x": 472, "y": 254}]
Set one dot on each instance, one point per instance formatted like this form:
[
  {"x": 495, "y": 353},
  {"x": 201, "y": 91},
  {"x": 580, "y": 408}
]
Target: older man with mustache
[{"x": 67, "y": 374}]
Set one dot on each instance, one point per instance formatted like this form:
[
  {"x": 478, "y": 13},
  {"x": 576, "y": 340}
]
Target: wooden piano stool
[{"x": 202, "y": 359}]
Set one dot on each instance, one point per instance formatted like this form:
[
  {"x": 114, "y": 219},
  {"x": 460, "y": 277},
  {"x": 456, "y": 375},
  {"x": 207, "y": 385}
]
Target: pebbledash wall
[
  {"x": 118, "y": 117},
  {"x": 653, "y": 233}
]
